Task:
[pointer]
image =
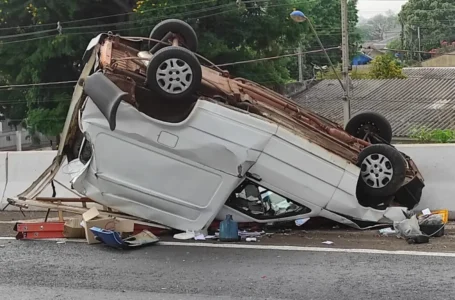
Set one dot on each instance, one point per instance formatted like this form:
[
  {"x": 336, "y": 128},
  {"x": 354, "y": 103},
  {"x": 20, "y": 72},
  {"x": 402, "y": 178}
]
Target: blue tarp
[{"x": 361, "y": 59}]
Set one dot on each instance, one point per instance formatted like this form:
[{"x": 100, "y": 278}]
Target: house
[
  {"x": 13, "y": 140},
  {"x": 372, "y": 52},
  {"x": 408, "y": 104}
]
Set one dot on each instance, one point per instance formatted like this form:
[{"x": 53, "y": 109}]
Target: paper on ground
[
  {"x": 300, "y": 222},
  {"x": 426, "y": 212}
]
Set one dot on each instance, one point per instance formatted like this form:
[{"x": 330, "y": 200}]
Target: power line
[
  {"x": 141, "y": 20},
  {"x": 220, "y": 65},
  {"x": 206, "y": 9},
  {"x": 112, "y": 24},
  {"x": 273, "y": 57},
  {"x": 36, "y": 84},
  {"x": 105, "y": 17}
]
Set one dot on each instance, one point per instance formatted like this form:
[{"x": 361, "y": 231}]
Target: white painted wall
[
  {"x": 435, "y": 161},
  {"x": 18, "y": 170}
]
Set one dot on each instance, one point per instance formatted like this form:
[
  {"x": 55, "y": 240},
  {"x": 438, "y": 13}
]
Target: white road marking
[
  {"x": 277, "y": 248},
  {"x": 310, "y": 249},
  {"x": 10, "y": 238}
]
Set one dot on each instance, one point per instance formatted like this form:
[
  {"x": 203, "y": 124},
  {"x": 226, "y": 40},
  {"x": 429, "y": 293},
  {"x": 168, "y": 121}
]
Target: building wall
[
  {"x": 8, "y": 140},
  {"x": 440, "y": 61}
]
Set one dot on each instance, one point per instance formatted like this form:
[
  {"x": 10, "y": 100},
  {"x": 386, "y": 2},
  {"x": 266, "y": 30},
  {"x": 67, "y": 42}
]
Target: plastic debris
[
  {"x": 229, "y": 230},
  {"x": 113, "y": 239},
  {"x": 328, "y": 243},
  {"x": 188, "y": 235},
  {"x": 199, "y": 237},
  {"x": 300, "y": 222},
  {"x": 387, "y": 231},
  {"x": 426, "y": 211},
  {"x": 408, "y": 228},
  {"x": 251, "y": 239}
]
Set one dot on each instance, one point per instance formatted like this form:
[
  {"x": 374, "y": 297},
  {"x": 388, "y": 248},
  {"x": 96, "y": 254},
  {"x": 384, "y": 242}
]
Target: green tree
[
  {"x": 435, "y": 19},
  {"x": 379, "y": 26},
  {"x": 231, "y": 30},
  {"x": 385, "y": 67},
  {"x": 31, "y": 52}
]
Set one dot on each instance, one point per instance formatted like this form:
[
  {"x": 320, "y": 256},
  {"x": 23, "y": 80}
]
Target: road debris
[
  {"x": 188, "y": 235},
  {"x": 387, "y": 231},
  {"x": 113, "y": 239},
  {"x": 300, "y": 222},
  {"x": 229, "y": 230},
  {"x": 328, "y": 243}
]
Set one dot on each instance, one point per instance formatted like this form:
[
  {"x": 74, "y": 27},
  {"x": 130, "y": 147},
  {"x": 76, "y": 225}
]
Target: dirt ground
[{"x": 312, "y": 234}]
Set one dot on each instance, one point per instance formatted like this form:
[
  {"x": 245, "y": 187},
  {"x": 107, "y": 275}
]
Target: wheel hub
[
  {"x": 366, "y": 129},
  {"x": 376, "y": 170},
  {"x": 174, "y": 76}
]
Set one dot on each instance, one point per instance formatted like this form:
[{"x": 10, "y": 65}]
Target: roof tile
[{"x": 407, "y": 103}]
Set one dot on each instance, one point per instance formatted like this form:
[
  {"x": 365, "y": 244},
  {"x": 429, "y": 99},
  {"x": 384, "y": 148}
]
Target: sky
[{"x": 370, "y": 8}]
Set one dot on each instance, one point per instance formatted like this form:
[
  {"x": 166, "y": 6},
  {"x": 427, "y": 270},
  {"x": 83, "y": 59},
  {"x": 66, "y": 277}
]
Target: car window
[{"x": 261, "y": 203}]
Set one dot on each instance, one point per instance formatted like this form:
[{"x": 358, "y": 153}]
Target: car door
[{"x": 177, "y": 174}]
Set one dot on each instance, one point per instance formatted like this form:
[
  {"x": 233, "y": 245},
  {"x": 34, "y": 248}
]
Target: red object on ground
[
  {"x": 43, "y": 230},
  {"x": 138, "y": 228}
]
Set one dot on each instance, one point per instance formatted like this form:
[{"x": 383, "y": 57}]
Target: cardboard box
[
  {"x": 121, "y": 226},
  {"x": 91, "y": 219},
  {"x": 73, "y": 228}
]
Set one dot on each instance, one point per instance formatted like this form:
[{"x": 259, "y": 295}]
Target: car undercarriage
[{"x": 163, "y": 78}]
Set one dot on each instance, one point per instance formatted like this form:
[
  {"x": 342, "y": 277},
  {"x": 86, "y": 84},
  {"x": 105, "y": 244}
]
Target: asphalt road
[{"x": 47, "y": 270}]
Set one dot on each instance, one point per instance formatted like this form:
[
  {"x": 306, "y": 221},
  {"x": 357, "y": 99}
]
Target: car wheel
[
  {"x": 178, "y": 27},
  {"x": 382, "y": 170},
  {"x": 367, "y": 124},
  {"x": 174, "y": 73}
]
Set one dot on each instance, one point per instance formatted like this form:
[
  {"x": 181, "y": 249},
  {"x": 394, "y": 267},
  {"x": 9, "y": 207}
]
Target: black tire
[
  {"x": 183, "y": 29},
  {"x": 365, "y": 122},
  {"x": 382, "y": 170},
  {"x": 188, "y": 86}
]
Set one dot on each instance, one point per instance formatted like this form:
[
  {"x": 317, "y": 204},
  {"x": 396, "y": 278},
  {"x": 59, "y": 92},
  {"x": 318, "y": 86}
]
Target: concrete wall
[
  {"x": 18, "y": 170},
  {"x": 436, "y": 162},
  {"x": 440, "y": 61}
]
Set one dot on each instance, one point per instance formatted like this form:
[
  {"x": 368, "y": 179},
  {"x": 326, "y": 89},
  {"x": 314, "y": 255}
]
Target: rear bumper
[{"x": 410, "y": 193}]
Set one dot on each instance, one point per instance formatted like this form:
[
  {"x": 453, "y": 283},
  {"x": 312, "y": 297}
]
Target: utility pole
[
  {"x": 402, "y": 42},
  {"x": 418, "y": 38},
  {"x": 345, "y": 61},
  {"x": 300, "y": 64}
]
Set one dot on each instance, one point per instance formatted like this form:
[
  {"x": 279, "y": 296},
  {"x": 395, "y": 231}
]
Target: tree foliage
[
  {"x": 231, "y": 30},
  {"x": 33, "y": 51},
  {"x": 435, "y": 19},
  {"x": 385, "y": 67},
  {"x": 377, "y": 27}
]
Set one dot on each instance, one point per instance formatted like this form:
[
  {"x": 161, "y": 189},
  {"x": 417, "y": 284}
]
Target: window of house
[
  {"x": 261, "y": 203},
  {"x": 8, "y": 138}
]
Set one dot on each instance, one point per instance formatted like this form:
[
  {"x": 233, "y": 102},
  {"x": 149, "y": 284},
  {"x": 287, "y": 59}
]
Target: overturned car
[{"x": 159, "y": 132}]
